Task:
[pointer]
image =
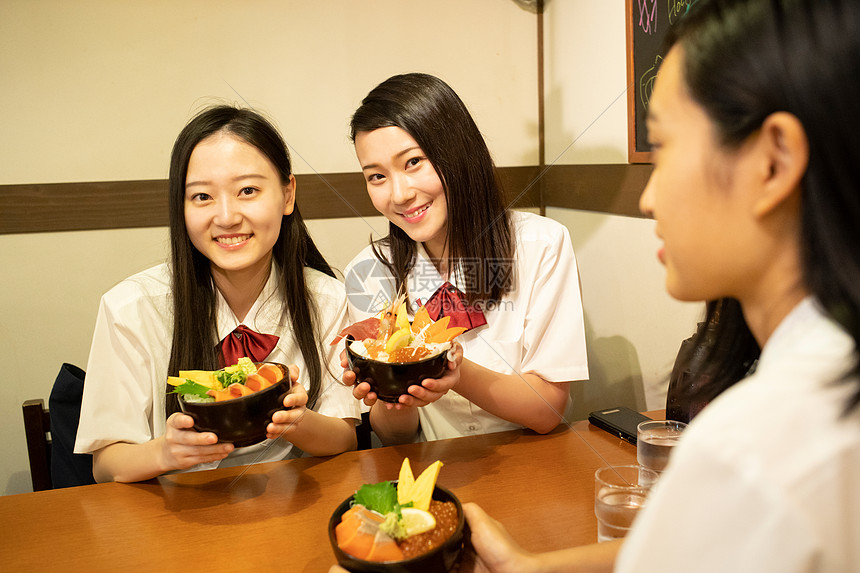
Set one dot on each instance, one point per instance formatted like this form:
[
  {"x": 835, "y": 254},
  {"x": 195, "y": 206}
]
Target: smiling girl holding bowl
[
  {"x": 509, "y": 277},
  {"x": 241, "y": 258}
]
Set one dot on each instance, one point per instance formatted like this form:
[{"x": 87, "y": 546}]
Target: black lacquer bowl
[
  {"x": 241, "y": 421},
  {"x": 440, "y": 559},
  {"x": 391, "y": 379}
]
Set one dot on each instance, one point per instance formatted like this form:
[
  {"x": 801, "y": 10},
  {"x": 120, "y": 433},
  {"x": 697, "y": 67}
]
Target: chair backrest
[
  {"x": 53, "y": 463},
  {"x": 68, "y": 468},
  {"x": 37, "y": 425}
]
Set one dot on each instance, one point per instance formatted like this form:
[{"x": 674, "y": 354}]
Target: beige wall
[
  {"x": 633, "y": 328},
  {"x": 97, "y": 90}
]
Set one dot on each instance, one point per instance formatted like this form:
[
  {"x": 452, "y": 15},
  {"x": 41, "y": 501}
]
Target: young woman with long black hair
[
  {"x": 509, "y": 277},
  {"x": 756, "y": 196},
  {"x": 242, "y": 264}
]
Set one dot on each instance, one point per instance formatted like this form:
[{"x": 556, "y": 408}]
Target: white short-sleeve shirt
[
  {"x": 537, "y": 328},
  {"x": 766, "y": 477},
  {"x": 124, "y": 393}
]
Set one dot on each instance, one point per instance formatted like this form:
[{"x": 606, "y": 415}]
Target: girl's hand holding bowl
[
  {"x": 360, "y": 391},
  {"x": 183, "y": 447},
  {"x": 295, "y": 402},
  {"x": 431, "y": 389}
]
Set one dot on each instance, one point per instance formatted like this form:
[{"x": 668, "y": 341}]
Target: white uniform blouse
[
  {"x": 537, "y": 328},
  {"x": 127, "y": 369},
  {"x": 766, "y": 477}
]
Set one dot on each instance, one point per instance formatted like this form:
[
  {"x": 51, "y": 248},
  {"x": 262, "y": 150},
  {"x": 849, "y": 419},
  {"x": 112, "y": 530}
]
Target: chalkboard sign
[{"x": 647, "y": 24}]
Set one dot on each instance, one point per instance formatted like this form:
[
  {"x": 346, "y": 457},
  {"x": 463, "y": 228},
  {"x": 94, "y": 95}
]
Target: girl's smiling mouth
[
  {"x": 415, "y": 214},
  {"x": 231, "y": 240}
]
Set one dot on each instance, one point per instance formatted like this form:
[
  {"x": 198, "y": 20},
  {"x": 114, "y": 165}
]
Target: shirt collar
[
  {"x": 807, "y": 322},
  {"x": 423, "y": 279},
  {"x": 264, "y": 315}
]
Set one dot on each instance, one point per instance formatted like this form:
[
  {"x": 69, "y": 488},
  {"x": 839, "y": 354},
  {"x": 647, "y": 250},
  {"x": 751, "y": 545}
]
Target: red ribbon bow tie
[
  {"x": 245, "y": 342},
  {"x": 447, "y": 301}
]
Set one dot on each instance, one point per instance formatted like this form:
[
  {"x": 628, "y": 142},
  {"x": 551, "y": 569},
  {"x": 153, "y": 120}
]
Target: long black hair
[
  {"x": 479, "y": 225},
  {"x": 746, "y": 59},
  {"x": 194, "y": 344}
]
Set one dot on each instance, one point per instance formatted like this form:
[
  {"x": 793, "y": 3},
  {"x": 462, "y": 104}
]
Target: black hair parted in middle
[{"x": 194, "y": 311}]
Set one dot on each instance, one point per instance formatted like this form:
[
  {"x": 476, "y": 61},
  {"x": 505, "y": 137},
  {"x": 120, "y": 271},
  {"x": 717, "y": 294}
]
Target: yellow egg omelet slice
[
  {"x": 422, "y": 491},
  {"x": 418, "y": 491},
  {"x": 202, "y": 377},
  {"x": 405, "y": 483}
]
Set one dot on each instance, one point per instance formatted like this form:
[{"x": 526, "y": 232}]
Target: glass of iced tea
[
  {"x": 619, "y": 494},
  {"x": 654, "y": 442}
]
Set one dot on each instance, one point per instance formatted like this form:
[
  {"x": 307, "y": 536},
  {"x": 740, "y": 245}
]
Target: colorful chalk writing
[
  {"x": 647, "y": 25},
  {"x": 648, "y": 16},
  {"x": 678, "y": 8},
  {"x": 646, "y": 81}
]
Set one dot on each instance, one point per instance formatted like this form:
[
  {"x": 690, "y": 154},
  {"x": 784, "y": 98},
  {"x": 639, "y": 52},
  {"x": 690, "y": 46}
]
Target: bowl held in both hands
[
  {"x": 391, "y": 379},
  {"x": 241, "y": 421}
]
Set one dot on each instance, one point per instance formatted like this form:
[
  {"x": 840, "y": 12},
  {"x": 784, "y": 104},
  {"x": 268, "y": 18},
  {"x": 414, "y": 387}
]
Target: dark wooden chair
[
  {"x": 37, "y": 428},
  {"x": 51, "y": 434}
]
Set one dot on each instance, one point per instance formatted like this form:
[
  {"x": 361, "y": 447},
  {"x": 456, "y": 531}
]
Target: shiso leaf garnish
[
  {"x": 380, "y": 497},
  {"x": 193, "y": 388}
]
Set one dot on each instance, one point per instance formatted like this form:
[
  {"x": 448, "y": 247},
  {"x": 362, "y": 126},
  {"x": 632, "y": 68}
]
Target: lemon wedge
[
  {"x": 399, "y": 339},
  {"x": 417, "y": 521},
  {"x": 402, "y": 317}
]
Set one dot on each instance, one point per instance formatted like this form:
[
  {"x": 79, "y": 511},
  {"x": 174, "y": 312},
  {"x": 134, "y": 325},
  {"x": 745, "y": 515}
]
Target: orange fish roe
[
  {"x": 446, "y": 522},
  {"x": 408, "y": 354}
]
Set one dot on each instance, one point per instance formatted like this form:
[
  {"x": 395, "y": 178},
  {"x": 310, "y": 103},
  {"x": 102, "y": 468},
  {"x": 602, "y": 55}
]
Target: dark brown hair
[
  {"x": 194, "y": 344},
  {"x": 479, "y": 225}
]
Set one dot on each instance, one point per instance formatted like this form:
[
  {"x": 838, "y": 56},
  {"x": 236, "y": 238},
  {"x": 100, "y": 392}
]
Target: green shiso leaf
[
  {"x": 380, "y": 497},
  {"x": 192, "y": 388}
]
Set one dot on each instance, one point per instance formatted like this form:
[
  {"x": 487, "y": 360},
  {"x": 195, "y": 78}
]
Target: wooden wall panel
[{"x": 38, "y": 208}]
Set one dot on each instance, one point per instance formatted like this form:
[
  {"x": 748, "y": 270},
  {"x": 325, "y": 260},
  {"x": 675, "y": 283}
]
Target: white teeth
[
  {"x": 414, "y": 214},
  {"x": 232, "y": 240}
]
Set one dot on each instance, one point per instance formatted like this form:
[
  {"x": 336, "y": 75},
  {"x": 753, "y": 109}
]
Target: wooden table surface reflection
[{"x": 275, "y": 516}]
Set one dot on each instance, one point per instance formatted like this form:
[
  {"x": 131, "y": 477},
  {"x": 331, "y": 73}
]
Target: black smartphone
[{"x": 618, "y": 421}]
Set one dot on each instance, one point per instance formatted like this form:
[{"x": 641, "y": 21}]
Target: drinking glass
[
  {"x": 619, "y": 494},
  {"x": 654, "y": 442}
]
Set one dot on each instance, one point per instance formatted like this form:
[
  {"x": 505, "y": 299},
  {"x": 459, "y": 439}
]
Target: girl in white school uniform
[
  {"x": 244, "y": 279},
  {"x": 509, "y": 277},
  {"x": 756, "y": 197}
]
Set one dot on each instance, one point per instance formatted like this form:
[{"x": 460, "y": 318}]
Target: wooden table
[{"x": 275, "y": 516}]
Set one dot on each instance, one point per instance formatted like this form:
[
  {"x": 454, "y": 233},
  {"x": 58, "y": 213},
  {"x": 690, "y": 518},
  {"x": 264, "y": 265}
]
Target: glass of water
[
  {"x": 654, "y": 442},
  {"x": 619, "y": 494}
]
